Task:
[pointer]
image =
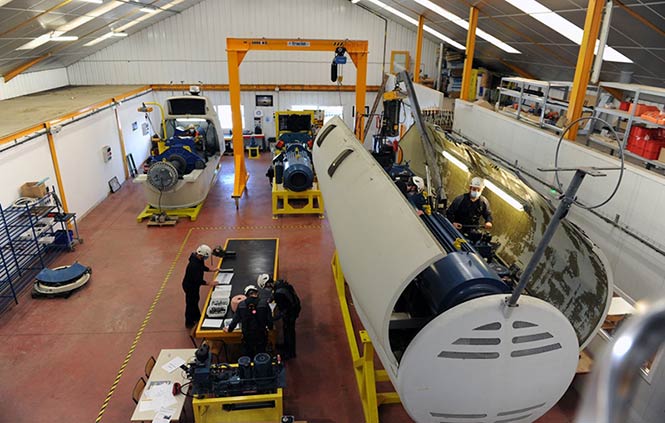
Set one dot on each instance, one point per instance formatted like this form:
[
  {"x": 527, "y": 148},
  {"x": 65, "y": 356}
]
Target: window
[
  {"x": 226, "y": 117},
  {"x": 329, "y": 111}
]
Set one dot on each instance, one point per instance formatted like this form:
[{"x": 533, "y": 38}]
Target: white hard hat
[
  {"x": 204, "y": 251},
  {"x": 262, "y": 280},
  {"x": 477, "y": 183},
  {"x": 250, "y": 288},
  {"x": 419, "y": 183}
]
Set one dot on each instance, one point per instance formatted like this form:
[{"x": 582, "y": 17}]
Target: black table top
[{"x": 253, "y": 257}]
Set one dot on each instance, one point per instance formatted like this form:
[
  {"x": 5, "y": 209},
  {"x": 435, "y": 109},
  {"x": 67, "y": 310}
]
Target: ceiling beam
[
  {"x": 521, "y": 72},
  {"x": 17, "y": 70},
  {"x": 37, "y": 16},
  {"x": 640, "y": 18},
  {"x": 521, "y": 34}
]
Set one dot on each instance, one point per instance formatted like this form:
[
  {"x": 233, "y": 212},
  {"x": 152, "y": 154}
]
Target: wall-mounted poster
[{"x": 264, "y": 101}]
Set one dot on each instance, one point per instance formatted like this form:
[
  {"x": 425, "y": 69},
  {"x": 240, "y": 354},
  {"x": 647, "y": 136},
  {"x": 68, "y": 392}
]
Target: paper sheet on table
[
  {"x": 148, "y": 405},
  {"x": 224, "y": 278},
  {"x": 173, "y": 365},
  {"x": 159, "y": 388},
  {"x": 163, "y": 415},
  {"x": 167, "y": 400},
  {"x": 212, "y": 323}
]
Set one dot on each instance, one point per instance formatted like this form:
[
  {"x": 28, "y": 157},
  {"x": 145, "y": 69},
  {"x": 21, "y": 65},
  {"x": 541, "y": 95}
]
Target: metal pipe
[
  {"x": 428, "y": 144},
  {"x": 609, "y": 392},
  {"x": 561, "y": 212},
  {"x": 604, "y": 32},
  {"x": 438, "y": 67}
]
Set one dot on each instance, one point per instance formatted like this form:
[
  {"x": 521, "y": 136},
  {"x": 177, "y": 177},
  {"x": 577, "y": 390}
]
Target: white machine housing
[{"x": 478, "y": 361}]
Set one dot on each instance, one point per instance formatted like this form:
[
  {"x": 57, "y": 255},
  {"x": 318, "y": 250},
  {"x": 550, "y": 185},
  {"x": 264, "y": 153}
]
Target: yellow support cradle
[
  {"x": 191, "y": 212},
  {"x": 285, "y": 201},
  {"x": 366, "y": 374},
  {"x": 253, "y": 153},
  {"x": 211, "y": 410}
]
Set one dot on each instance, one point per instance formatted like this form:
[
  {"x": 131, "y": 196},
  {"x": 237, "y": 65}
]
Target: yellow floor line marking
[
  {"x": 231, "y": 228},
  {"x": 114, "y": 385},
  {"x": 142, "y": 328}
]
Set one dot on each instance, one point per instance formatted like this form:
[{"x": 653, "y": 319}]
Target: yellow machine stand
[
  {"x": 191, "y": 212},
  {"x": 223, "y": 409},
  {"x": 285, "y": 201},
  {"x": 366, "y": 374},
  {"x": 253, "y": 153}
]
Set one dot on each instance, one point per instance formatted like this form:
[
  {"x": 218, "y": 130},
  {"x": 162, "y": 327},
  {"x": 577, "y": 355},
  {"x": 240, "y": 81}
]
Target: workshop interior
[{"x": 316, "y": 211}]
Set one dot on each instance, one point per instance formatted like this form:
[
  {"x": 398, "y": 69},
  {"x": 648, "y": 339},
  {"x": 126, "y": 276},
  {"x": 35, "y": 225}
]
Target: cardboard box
[
  {"x": 33, "y": 189},
  {"x": 661, "y": 156}
]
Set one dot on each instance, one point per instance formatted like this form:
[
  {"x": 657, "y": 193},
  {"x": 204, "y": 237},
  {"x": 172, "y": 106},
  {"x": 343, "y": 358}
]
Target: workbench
[{"x": 253, "y": 256}]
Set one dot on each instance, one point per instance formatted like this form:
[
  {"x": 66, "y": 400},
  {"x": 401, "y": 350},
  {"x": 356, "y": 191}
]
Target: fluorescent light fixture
[
  {"x": 42, "y": 39},
  {"x": 563, "y": 27},
  {"x": 504, "y": 195},
  {"x": 75, "y": 23},
  {"x": 118, "y": 34},
  {"x": 148, "y": 10},
  {"x": 136, "y": 21},
  {"x": 4, "y": 2},
  {"x": 454, "y": 160},
  {"x": 64, "y": 38},
  {"x": 464, "y": 24},
  {"x": 94, "y": 13},
  {"x": 415, "y": 22},
  {"x": 354, "y": 1},
  {"x": 93, "y": 1}
]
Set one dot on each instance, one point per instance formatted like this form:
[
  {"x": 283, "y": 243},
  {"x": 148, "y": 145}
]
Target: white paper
[
  {"x": 173, "y": 365},
  {"x": 148, "y": 405},
  {"x": 163, "y": 415},
  {"x": 224, "y": 278},
  {"x": 159, "y": 388},
  {"x": 167, "y": 400},
  {"x": 212, "y": 323}
]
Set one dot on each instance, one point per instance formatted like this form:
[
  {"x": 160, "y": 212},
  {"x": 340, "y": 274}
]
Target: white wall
[
  {"x": 85, "y": 176},
  {"x": 28, "y": 83},
  {"x": 638, "y": 270},
  {"x": 282, "y": 100},
  {"x": 191, "y": 45},
  {"x": 28, "y": 162},
  {"x": 136, "y": 143}
]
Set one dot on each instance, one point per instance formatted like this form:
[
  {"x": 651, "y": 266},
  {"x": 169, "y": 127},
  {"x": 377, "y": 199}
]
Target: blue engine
[
  {"x": 293, "y": 168},
  {"x": 181, "y": 152},
  {"x": 460, "y": 276}
]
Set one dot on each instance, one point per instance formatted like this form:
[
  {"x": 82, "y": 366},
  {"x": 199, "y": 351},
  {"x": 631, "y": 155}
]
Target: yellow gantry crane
[{"x": 237, "y": 48}]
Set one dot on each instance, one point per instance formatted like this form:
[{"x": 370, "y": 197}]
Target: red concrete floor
[{"x": 60, "y": 357}]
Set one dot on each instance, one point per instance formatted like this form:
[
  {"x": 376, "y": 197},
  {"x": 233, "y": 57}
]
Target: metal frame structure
[
  {"x": 237, "y": 48},
  {"x": 363, "y": 365}
]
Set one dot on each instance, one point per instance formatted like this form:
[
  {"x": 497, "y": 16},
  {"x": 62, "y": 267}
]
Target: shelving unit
[
  {"x": 28, "y": 232},
  {"x": 623, "y": 121},
  {"x": 540, "y": 96},
  {"x": 452, "y": 73}
]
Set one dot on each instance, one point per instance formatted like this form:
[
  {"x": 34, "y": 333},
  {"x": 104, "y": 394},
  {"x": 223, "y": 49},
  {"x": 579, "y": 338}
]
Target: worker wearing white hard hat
[
  {"x": 417, "y": 195},
  {"x": 192, "y": 281},
  {"x": 467, "y": 209},
  {"x": 255, "y": 319}
]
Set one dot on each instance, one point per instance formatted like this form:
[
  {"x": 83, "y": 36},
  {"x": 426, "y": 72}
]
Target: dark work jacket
[
  {"x": 288, "y": 306},
  {"x": 263, "y": 317},
  {"x": 468, "y": 212},
  {"x": 194, "y": 274}
]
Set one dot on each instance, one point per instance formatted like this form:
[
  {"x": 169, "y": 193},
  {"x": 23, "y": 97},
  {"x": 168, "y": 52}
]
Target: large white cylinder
[{"x": 477, "y": 360}]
